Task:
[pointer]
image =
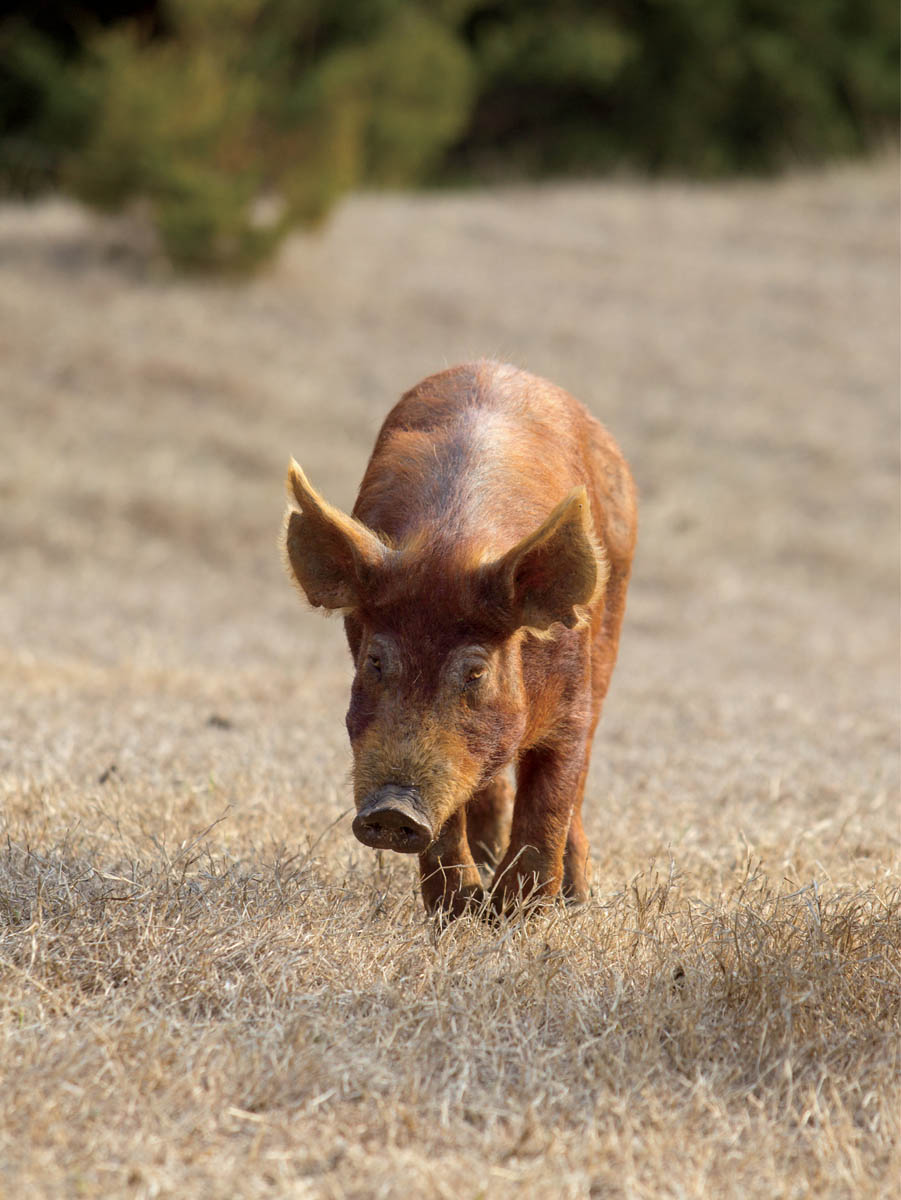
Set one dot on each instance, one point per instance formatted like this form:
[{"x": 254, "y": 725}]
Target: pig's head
[{"x": 439, "y": 701}]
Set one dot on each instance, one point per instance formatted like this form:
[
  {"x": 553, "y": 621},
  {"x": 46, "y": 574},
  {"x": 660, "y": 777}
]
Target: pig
[{"x": 482, "y": 578}]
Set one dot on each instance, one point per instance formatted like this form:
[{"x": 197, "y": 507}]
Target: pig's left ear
[
  {"x": 333, "y": 557},
  {"x": 554, "y": 573}
]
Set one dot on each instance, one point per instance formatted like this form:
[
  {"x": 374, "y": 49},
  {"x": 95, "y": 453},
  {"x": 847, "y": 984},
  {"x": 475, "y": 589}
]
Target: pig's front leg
[
  {"x": 448, "y": 876},
  {"x": 548, "y": 780}
]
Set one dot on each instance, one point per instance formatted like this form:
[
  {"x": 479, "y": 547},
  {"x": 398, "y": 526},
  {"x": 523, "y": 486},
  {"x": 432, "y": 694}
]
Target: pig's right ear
[{"x": 333, "y": 557}]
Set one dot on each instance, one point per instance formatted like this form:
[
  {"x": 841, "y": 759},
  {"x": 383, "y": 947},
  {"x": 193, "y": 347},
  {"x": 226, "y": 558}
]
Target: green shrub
[
  {"x": 222, "y": 124},
  {"x": 174, "y": 122}
]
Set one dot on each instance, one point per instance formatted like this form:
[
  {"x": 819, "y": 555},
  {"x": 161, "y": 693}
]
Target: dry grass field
[{"x": 208, "y": 988}]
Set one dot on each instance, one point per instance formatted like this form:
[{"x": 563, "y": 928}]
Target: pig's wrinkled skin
[{"x": 482, "y": 578}]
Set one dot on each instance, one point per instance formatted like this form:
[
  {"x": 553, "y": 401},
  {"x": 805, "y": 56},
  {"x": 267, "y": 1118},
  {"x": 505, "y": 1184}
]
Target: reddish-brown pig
[{"x": 482, "y": 577}]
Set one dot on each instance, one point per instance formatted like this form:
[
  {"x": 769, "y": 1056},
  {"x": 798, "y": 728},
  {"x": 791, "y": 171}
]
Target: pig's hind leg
[
  {"x": 488, "y": 817},
  {"x": 548, "y": 781},
  {"x": 576, "y": 861}
]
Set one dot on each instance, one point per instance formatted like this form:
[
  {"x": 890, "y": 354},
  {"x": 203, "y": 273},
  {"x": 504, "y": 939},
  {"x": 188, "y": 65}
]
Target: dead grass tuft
[{"x": 204, "y": 1016}]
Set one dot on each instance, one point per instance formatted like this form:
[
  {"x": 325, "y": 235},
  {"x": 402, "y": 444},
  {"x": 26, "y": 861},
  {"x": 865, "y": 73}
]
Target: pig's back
[{"x": 480, "y": 454}]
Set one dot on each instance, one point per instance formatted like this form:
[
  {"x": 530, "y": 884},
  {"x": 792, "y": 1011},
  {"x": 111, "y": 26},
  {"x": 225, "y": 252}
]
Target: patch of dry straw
[{"x": 192, "y": 1019}]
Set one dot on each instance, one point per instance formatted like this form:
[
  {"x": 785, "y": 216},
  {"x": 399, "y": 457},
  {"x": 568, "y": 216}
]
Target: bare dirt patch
[{"x": 207, "y": 987}]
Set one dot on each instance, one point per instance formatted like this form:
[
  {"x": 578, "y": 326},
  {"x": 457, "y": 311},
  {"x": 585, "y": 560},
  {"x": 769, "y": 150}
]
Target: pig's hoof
[
  {"x": 392, "y": 818},
  {"x": 471, "y": 899},
  {"x": 574, "y": 897},
  {"x": 524, "y": 898}
]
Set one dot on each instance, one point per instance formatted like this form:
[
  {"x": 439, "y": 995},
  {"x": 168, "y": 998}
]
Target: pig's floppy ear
[
  {"x": 555, "y": 572},
  {"x": 332, "y": 556}
]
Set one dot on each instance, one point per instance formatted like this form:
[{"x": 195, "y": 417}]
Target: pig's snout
[{"x": 392, "y": 818}]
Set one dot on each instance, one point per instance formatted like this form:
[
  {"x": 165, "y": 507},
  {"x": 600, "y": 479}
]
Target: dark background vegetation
[{"x": 235, "y": 120}]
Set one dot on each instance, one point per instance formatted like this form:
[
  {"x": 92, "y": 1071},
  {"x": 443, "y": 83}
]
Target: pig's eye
[
  {"x": 376, "y": 665},
  {"x": 474, "y": 674}
]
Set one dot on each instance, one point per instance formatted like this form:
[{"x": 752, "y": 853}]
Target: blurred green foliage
[{"x": 235, "y": 120}]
